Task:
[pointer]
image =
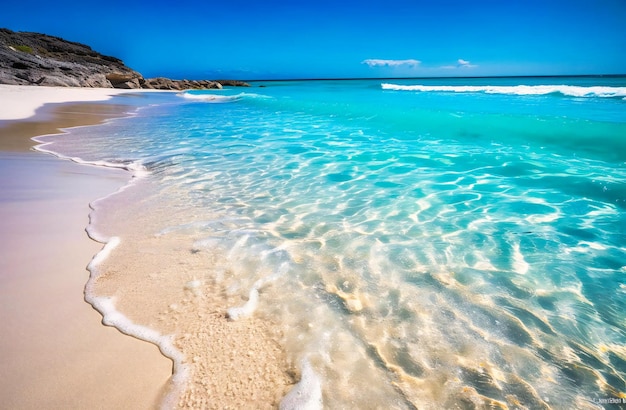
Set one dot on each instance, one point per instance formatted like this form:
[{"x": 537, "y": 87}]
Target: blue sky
[{"x": 340, "y": 38}]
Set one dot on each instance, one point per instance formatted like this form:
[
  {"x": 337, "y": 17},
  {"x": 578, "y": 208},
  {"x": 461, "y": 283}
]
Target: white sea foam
[
  {"x": 211, "y": 98},
  {"x": 215, "y": 98},
  {"x": 241, "y": 312},
  {"x": 248, "y": 308},
  {"x": 136, "y": 169},
  {"x": 307, "y": 393},
  {"x": 112, "y": 317},
  {"x": 569, "y": 90}
]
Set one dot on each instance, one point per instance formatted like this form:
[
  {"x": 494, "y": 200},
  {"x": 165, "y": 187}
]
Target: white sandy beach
[
  {"x": 21, "y": 101},
  {"x": 55, "y": 353}
]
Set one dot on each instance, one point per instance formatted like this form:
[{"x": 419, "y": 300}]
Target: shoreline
[
  {"x": 56, "y": 352},
  {"x": 218, "y": 362}
]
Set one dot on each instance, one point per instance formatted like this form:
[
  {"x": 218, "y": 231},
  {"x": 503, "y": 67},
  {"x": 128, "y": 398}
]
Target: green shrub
[{"x": 25, "y": 49}]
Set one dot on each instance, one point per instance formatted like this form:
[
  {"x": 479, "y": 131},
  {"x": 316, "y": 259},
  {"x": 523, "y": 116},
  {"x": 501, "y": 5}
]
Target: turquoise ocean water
[{"x": 419, "y": 243}]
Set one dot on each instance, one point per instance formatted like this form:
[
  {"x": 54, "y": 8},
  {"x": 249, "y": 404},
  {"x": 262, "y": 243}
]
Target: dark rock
[
  {"x": 158, "y": 83},
  {"x": 55, "y": 81},
  {"x": 161, "y": 83},
  {"x": 233, "y": 83},
  {"x": 20, "y": 65},
  {"x": 23, "y": 76}
]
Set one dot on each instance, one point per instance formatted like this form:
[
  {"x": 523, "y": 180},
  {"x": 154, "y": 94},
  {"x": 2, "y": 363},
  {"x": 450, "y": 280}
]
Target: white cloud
[
  {"x": 460, "y": 63},
  {"x": 390, "y": 63},
  {"x": 465, "y": 64}
]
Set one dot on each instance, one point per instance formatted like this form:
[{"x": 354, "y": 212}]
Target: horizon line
[{"x": 437, "y": 77}]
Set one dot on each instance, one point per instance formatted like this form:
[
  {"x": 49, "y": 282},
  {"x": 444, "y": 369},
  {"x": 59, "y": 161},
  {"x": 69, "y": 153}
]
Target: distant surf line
[{"x": 568, "y": 90}]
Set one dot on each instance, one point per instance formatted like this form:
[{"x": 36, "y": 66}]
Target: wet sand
[{"x": 55, "y": 353}]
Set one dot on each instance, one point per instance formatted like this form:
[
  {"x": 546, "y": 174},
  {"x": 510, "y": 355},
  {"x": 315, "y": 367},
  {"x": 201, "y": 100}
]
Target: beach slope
[{"x": 55, "y": 352}]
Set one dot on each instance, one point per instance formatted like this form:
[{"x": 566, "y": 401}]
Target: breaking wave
[
  {"x": 215, "y": 98},
  {"x": 568, "y": 90}
]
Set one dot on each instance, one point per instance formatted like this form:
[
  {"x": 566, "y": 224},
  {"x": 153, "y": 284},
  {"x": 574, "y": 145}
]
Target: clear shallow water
[{"x": 417, "y": 246}]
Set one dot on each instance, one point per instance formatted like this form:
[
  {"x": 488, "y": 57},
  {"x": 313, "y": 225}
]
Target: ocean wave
[
  {"x": 568, "y": 90},
  {"x": 136, "y": 169},
  {"x": 214, "y": 98}
]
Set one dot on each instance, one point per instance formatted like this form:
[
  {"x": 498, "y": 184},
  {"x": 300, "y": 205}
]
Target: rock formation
[{"x": 39, "y": 59}]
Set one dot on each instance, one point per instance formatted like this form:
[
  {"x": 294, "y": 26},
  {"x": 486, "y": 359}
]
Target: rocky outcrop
[
  {"x": 161, "y": 83},
  {"x": 233, "y": 83},
  {"x": 39, "y": 59}
]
